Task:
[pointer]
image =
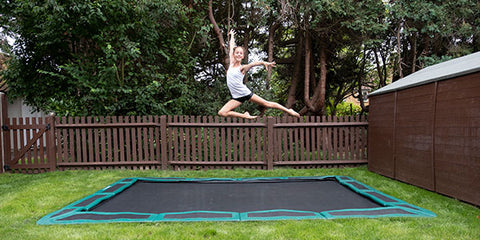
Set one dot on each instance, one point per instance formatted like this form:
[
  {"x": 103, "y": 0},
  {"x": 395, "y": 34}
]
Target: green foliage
[
  {"x": 432, "y": 60},
  {"x": 102, "y": 57},
  {"x": 429, "y": 30},
  {"x": 126, "y": 57},
  {"x": 345, "y": 109}
]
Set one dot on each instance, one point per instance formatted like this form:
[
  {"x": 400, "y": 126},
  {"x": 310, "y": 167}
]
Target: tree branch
[{"x": 218, "y": 32}]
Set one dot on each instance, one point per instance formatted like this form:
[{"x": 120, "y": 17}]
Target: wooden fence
[{"x": 186, "y": 142}]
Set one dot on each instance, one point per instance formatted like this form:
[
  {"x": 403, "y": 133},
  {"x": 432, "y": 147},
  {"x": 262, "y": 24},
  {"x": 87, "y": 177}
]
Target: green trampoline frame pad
[{"x": 86, "y": 210}]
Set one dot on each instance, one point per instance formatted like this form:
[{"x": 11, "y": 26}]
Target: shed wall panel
[
  {"x": 413, "y": 149},
  {"x": 380, "y": 134},
  {"x": 457, "y": 138}
]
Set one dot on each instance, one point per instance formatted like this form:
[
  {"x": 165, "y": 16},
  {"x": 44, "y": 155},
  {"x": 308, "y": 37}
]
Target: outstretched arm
[
  {"x": 231, "y": 44},
  {"x": 247, "y": 67}
]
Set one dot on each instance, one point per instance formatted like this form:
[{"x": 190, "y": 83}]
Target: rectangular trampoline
[{"x": 232, "y": 199}]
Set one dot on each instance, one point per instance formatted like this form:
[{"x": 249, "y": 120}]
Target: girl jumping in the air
[{"x": 239, "y": 91}]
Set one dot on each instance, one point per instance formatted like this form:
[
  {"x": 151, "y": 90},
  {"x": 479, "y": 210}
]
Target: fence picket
[
  {"x": 29, "y": 157},
  {"x": 82, "y": 141},
  {"x": 318, "y": 141},
  {"x": 174, "y": 147},
  {"x": 39, "y": 156},
  {"x": 89, "y": 142},
  {"x": 302, "y": 155},
  {"x": 341, "y": 140},
  {"x": 308, "y": 141},
  {"x": 64, "y": 142},
  {"x": 151, "y": 140},
  {"x": 115, "y": 141},
  {"x": 204, "y": 141},
  {"x": 186, "y": 138},
  {"x": 15, "y": 138},
  {"x": 20, "y": 135}
]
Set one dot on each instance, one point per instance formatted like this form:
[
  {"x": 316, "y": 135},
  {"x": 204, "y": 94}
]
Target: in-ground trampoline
[{"x": 240, "y": 199}]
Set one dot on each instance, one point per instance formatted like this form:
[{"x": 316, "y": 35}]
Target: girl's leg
[
  {"x": 227, "y": 110},
  {"x": 262, "y": 102}
]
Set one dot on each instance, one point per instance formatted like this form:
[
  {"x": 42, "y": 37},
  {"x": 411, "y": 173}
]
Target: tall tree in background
[
  {"x": 323, "y": 30},
  {"x": 120, "y": 57},
  {"x": 428, "y": 32}
]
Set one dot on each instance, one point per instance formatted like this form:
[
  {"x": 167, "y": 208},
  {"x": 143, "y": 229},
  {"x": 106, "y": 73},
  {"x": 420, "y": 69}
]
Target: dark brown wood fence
[
  {"x": 194, "y": 142},
  {"x": 28, "y": 145}
]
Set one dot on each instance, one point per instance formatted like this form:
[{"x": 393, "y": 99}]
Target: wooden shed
[{"x": 424, "y": 129}]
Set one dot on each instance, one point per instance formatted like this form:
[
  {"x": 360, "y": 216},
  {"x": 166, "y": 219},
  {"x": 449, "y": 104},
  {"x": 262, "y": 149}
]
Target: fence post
[
  {"x": 270, "y": 142},
  {"x": 163, "y": 142},
  {"x": 5, "y": 132},
  {"x": 51, "y": 145}
]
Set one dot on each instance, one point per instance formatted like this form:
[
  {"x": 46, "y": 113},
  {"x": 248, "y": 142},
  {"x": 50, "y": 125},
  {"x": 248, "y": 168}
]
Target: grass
[{"x": 26, "y": 198}]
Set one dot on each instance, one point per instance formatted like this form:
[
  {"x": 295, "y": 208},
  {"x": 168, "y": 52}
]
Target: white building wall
[{"x": 18, "y": 109}]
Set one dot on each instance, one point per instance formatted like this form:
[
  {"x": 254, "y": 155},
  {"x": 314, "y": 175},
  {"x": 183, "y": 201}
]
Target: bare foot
[
  {"x": 248, "y": 116},
  {"x": 293, "y": 113}
]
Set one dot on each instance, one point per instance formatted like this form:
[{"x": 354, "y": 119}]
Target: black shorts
[{"x": 244, "y": 98}]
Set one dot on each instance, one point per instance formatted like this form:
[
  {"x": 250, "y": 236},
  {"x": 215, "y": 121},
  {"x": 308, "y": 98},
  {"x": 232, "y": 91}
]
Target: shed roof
[{"x": 442, "y": 71}]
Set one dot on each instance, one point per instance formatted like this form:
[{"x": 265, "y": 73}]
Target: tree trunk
[
  {"x": 321, "y": 86},
  {"x": 359, "y": 80},
  {"x": 399, "y": 50},
  {"x": 414, "y": 53},
  {"x": 246, "y": 39},
  {"x": 318, "y": 100},
  {"x": 306, "y": 89},
  {"x": 271, "y": 37},
  {"x": 218, "y": 32},
  {"x": 291, "y": 99},
  {"x": 381, "y": 71}
]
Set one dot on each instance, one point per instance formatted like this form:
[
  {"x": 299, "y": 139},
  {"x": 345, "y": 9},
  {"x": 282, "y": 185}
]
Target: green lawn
[{"x": 26, "y": 198}]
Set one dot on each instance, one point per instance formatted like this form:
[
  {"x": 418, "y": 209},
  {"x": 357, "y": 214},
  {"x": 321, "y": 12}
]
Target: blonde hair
[{"x": 235, "y": 48}]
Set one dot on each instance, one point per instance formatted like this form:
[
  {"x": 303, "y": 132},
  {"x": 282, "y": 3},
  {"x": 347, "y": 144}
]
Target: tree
[
  {"x": 102, "y": 57},
  {"x": 169, "y": 57},
  {"x": 426, "y": 32},
  {"x": 322, "y": 29}
]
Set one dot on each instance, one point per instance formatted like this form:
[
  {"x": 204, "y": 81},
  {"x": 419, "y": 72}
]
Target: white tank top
[{"x": 235, "y": 83}]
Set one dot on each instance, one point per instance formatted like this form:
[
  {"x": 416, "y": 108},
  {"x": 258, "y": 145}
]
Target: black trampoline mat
[
  {"x": 184, "y": 199},
  {"x": 161, "y": 197}
]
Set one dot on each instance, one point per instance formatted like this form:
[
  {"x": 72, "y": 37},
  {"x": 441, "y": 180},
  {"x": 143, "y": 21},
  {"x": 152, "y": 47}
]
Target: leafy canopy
[{"x": 101, "y": 57}]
